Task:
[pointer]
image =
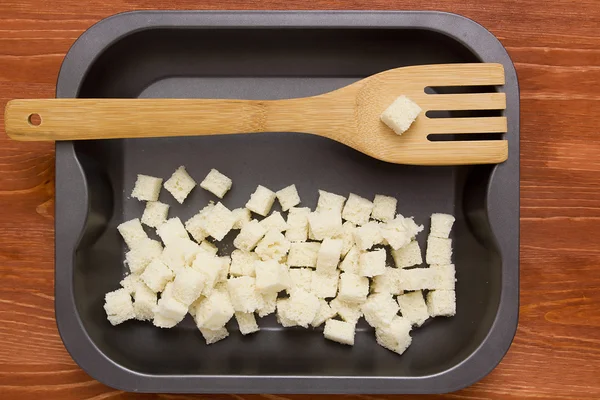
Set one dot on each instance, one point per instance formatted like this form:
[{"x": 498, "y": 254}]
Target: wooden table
[{"x": 556, "y": 49}]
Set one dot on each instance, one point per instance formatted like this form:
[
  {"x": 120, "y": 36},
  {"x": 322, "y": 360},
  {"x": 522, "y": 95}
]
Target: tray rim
[{"x": 502, "y": 184}]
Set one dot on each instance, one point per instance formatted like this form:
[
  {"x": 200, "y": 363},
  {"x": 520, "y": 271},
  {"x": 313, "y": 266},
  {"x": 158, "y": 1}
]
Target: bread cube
[
  {"x": 271, "y": 276},
  {"x": 413, "y": 308},
  {"x": 163, "y": 322},
  {"x": 242, "y": 217},
  {"x": 243, "y": 263},
  {"x": 288, "y": 197},
  {"x": 213, "y": 336},
  {"x": 372, "y": 263},
  {"x": 408, "y": 255},
  {"x": 214, "y": 311},
  {"x": 268, "y": 304},
  {"x": 349, "y": 312},
  {"x": 357, "y": 210},
  {"x": 325, "y": 224},
  {"x": 444, "y": 277},
  {"x": 347, "y": 237},
  {"x": 411, "y": 227},
  {"x": 441, "y": 225},
  {"x": 328, "y": 257},
  {"x": 368, "y": 235},
  {"x": 216, "y": 183},
  {"x": 384, "y": 208},
  {"x": 219, "y": 221},
  {"x": 180, "y": 184},
  {"x": 130, "y": 283},
  {"x": 195, "y": 225},
  {"x": 301, "y": 278},
  {"x": 243, "y": 294},
  {"x": 353, "y": 288},
  {"x": 118, "y": 306},
  {"x": 303, "y": 307},
  {"x": 173, "y": 258},
  {"x": 396, "y": 233},
  {"x": 261, "y": 201},
  {"x": 395, "y": 336},
  {"x": 246, "y": 323},
  {"x": 324, "y": 284},
  {"x": 188, "y": 285},
  {"x": 132, "y": 232},
  {"x": 224, "y": 271},
  {"x": 207, "y": 247},
  {"x": 249, "y": 236},
  {"x": 147, "y": 188},
  {"x": 144, "y": 302},
  {"x": 441, "y": 303},
  {"x": 389, "y": 282},
  {"x": 274, "y": 246},
  {"x": 274, "y": 222},
  {"x": 380, "y": 309},
  {"x": 439, "y": 251},
  {"x": 156, "y": 275},
  {"x": 297, "y": 224},
  {"x": 330, "y": 202},
  {"x": 188, "y": 248},
  {"x": 283, "y": 313},
  {"x": 172, "y": 230},
  {"x": 350, "y": 261},
  {"x": 170, "y": 308},
  {"x": 340, "y": 331},
  {"x": 210, "y": 268},
  {"x": 325, "y": 312},
  {"x": 303, "y": 254},
  {"x": 139, "y": 257},
  {"x": 417, "y": 279},
  {"x": 400, "y": 115},
  {"x": 155, "y": 214}
]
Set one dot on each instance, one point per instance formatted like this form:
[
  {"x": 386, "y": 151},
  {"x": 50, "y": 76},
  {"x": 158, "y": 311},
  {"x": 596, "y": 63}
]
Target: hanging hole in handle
[{"x": 34, "y": 119}]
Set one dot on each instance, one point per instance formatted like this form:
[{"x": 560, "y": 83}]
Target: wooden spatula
[{"x": 350, "y": 115}]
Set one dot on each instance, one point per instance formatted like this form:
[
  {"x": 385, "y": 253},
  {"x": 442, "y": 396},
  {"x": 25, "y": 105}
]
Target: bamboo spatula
[{"x": 350, "y": 115}]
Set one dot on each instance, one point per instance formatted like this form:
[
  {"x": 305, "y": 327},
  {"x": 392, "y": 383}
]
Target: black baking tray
[{"x": 271, "y": 55}]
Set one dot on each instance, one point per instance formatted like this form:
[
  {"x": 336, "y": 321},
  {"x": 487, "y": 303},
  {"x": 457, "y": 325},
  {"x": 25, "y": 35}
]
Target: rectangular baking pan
[{"x": 270, "y": 55}]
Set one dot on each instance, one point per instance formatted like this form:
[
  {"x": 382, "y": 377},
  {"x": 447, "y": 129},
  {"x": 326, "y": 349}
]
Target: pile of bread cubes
[{"x": 314, "y": 267}]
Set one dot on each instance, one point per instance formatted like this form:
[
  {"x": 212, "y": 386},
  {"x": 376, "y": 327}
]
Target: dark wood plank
[{"x": 556, "y": 49}]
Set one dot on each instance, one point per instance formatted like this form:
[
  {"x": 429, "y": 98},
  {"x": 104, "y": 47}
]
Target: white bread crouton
[
  {"x": 130, "y": 283},
  {"x": 268, "y": 304},
  {"x": 324, "y": 285},
  {"x": 246, "y": 323},
  {"x": 139, "y": 257},
  {"x": 274, "y": 222},
  {"x": 303, "y": 254},
  {"x": 301, "y": 278},
  {"x": 213, "y": 336},
  {"x": 357, "y": 210},
  {"x": 219, "y": 221},
  {"x": 172, "y": 230},
  {"x": 242, "y": 263},
  {"x": 347, "y": 236},
  {"x": 325, "y": 312},
  {"x": 210, "y": 267},
  {"x": 144, "y": 302},
  {"x": 249, "y": 236},
  {"x": 163, "y": 322},
  {"x": 324, "y": 224},
  {"x": 368, "y": 235},
  {"x": 283, "y": 313},
  {"x": 273, "y": 246},
  {"x": 444, "y": 277},
  {"x": 408, "y": 255},
  {"x": 395, "y": 336},
  {"x": 384, "y": 208},
  {"x": 214, "y": 311},
  {"x": 400, "y": 115},
  {"x": 208, "y": 248},
  {"x": 180, "y": 184},
  {"x": 216, "y": 183},
  {"x": 155, "y": 214},
  {"x": 353, "y": 288},
  {"x": 350, "y": 261},
  {"x": 188, "y": 285},
  {"x": 288, "y": 197},
  {"x": 271, "y": 276},
  {"x": 441, "y": 303},
  {"x": 302, "y": 308},
  {"x": 417, "y": 279},
  {"x": 195, "y": 225},
  {"x": 380, "y": 309},
  {"x": 349, "y": 312},
  {"x": 132, "y": 232},
  {"x": 441, "y": 225},
  {"x": 329, "y": 254},
  {"x": 339, "y": 331},
  {"x": 297, "y": 224},
  {"x": 261, "y": 201},
  {"x": 439, "y": 251},
  {"x": 330, "y": 202},
  {"x": 389, "y": 282},
  {"x": 242, "y": 217},
  {"x": 118, "y": 306},
  {"x": 170, "y": 308},
  {"x": 413, "y": 307},
  {"x": 396, "y": 233},
  {"x": 147, "y": 188},
  {"x": 243, "y": 294},
  {"x": 157, "y": 275},
  {"x": 372, "y": 263}
]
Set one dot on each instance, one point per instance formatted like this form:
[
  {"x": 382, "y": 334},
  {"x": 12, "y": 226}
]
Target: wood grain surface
[{"x": 556, "y": 48}]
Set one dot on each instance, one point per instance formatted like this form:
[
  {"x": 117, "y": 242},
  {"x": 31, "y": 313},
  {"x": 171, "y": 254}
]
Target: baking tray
[{"x": 271, "y": 55}]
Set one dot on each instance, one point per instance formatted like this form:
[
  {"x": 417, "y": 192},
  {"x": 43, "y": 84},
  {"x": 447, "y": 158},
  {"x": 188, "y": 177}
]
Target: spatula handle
[{"x": 80, "y": 119}]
